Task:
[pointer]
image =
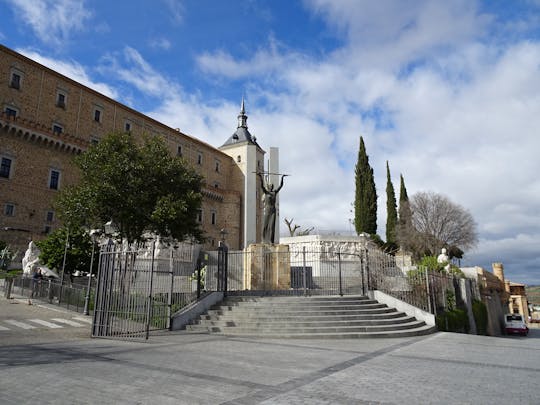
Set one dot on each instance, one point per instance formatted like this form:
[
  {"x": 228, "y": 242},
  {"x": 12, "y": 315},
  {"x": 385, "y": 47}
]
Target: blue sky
[{"x": 446, "y": 91}]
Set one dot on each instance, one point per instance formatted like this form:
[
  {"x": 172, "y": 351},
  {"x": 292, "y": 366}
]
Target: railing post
[
  {"x": 169, "y": 299},
  {"x": 339, "y": 268},
  {"x": 428, "y": 293},
  {"x": 368, "y": 276},
  {"x": 304, "y": 269},
  {"x": 149, "y": 307},
  {"x": 198, "y": 271},
  {"x": 362, "y": 263}
]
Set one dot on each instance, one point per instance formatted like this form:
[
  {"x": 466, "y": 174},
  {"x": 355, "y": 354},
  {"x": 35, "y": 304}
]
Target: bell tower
[{"x": 248, "y": 157}]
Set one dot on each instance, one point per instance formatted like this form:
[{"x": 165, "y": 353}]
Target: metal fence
[
  {"x": 69, "y": 296},
  {"x": 140, "y": 287},
  {"x": 286, "y": 272}
]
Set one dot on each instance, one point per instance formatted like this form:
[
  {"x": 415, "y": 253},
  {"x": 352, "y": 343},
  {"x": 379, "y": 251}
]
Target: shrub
[
  {"x": 455, "y": 320},
  {"x": 480, "y": 316}
]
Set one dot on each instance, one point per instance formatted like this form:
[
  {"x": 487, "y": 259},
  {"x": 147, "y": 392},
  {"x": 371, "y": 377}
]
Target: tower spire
[{"x": 242, "y": 117}]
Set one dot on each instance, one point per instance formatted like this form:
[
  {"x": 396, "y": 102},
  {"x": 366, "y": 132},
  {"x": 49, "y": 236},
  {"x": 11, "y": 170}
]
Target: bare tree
[
  {"x": 293, "y": 228},
  {"x": 437, "y": 222}
]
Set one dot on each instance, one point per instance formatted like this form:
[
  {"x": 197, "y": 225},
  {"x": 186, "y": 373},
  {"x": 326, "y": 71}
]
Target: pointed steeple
[
  {"x": 241, "y": 135},
  {"x": 242, "y": 117}
]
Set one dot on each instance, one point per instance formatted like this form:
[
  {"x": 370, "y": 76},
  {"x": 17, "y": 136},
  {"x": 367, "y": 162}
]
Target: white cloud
[
  {"x": 160, "y": 43},
  {"x": 454, "y": 114},
  {"x": 130, "y": 67},
  {"x": 73, "y": 70},
  {"x": 176, "y": 10},
  {"x": 53, "y": 21},
  {"x": 264, "y": 61}
]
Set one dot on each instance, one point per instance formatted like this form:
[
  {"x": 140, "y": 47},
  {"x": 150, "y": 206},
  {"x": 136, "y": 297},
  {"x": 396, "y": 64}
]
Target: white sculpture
[
  {"x": 30, "y": 262},
  {"x": 443, "y": 258}
]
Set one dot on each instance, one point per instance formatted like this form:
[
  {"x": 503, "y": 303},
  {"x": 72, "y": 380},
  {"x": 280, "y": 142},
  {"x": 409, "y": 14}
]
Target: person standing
[{"x": 36, "y": 281}]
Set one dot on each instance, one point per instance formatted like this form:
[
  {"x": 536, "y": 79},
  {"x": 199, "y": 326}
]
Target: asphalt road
[{"x": 181, "y": 368}]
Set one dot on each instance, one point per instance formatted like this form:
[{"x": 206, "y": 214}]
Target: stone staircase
[{"x": 307, "y": 317}]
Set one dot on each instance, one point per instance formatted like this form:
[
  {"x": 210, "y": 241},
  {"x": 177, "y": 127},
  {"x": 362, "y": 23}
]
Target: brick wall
[{"x": 46, "y": 98}]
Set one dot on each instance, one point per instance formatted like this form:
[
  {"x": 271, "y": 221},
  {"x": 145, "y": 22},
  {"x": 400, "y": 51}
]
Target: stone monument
[
  {"x": 443, "y": 258},
  {"x": 267, "y": 264},
  {"x": 30, "y": 261}
]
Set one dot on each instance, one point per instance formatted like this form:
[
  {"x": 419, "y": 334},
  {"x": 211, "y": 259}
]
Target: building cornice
[{"x": 37, "y": 133}]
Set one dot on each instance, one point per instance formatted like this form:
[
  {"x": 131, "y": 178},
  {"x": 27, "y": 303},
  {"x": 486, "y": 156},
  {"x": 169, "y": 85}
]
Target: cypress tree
[
  {"x": 391, "y": 209},
  {"x": 365, "y": 202},
  {"x": 405, "y": 215}
]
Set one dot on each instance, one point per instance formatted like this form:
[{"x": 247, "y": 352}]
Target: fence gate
[{"x": 140, "y": 287}]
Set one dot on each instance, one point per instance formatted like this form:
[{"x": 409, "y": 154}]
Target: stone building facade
[{"x": 47, "y": 119}]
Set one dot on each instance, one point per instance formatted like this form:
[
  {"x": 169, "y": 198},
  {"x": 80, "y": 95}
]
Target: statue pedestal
[{"x": 267, "y": 267}]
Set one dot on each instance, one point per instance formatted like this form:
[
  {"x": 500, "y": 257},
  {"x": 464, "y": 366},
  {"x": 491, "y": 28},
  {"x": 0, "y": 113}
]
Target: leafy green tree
[
  {"x": 78, "y": 252},
  {"x": 139, "y": 186},
  {"x": 391, "y": 210},
  {"x": 365, "y": 203}
]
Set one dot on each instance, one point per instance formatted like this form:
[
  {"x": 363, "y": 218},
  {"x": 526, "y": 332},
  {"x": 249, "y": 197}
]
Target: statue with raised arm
[{"x": 269, "y": 213}]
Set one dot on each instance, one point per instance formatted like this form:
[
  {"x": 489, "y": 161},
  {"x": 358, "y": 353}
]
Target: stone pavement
[{"x": 181, "y": 368}]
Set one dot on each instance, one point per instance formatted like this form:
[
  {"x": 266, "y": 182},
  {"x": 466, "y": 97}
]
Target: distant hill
[{"x": 533, "y": 294}]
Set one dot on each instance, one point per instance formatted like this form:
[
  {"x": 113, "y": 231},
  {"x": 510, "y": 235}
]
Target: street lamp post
[
  {"x": 63, "y": 268},
  {"x": 86, "y": 311}
]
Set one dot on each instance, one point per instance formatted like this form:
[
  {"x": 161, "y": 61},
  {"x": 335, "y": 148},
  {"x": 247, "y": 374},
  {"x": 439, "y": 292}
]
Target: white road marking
[
  {"x": 45, "y": 323},
  {"x": 20, "y": 324},
  {"x": 68, "y": 322},
  {"x": 85, "y": 320}
]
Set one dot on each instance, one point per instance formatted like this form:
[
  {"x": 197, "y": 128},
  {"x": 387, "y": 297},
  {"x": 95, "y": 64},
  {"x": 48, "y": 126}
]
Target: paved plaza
[{"x": 180, "y": 368}]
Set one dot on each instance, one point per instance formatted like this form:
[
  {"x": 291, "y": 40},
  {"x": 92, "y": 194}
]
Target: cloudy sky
[{"x": 447, "y": 91}]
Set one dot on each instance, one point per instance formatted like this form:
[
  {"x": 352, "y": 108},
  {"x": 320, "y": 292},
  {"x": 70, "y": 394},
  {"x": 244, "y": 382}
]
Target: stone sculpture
[
  {"x": 269, "y": 213},
  {"x": 30, "y": 261}
]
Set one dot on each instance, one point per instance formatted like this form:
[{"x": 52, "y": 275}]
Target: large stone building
[{"x": 47, "y": 119}]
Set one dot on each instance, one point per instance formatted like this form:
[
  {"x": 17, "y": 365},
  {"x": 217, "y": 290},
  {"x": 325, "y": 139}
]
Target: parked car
[{"x": 514, "y": 323}]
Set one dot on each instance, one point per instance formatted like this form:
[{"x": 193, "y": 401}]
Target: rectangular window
[
  {"x": 217, "y": 166},
  {"x": 15, "y": 81},
  {"x": 50, "y": 216},
  {"x": 5, "y": 167},
  {"x": 199, "y": 159},
  {"x": 213, "y": 218},
  {"x": 54, "y": 179},
  {"x": 179, "y": 151},
  {"x": 47, "y": 230},
  {"x": 127, "y": 127},
  {"x": 199, "y": 216},
  {"x": 11, "y": 112},
  {"x": 57, "y": 129},
  {"x": 9, "y": 210},
  {"x": 97, "y": 115},
  {"x": 61, "y": 100}
]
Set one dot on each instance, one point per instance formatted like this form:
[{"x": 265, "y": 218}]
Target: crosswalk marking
[
  {"x": 20, "y": 324},
  {"x": 67, "y": 322},
  {"x": 85, "y": 320},
  {"x": 45, "y": 323},
  {"x": 53, "y": 323}
]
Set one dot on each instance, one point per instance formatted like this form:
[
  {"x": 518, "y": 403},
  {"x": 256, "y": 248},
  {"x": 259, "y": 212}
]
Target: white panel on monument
[{"x": 273, "y": 168}]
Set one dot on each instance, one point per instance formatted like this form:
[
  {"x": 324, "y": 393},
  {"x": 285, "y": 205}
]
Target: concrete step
[
  {"x": 321, "y": 316},
  {"x": 289, "y": 329},
  {"x": 422, "y": 330},
  {"x": 277, "y": 323},
  {"x": 301, "y": 312},
  {"x": 231, "y": 315}
]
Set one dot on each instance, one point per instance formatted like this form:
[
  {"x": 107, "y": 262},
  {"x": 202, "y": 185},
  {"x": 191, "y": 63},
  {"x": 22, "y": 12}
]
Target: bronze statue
[{"x": 269, "y": 213}]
